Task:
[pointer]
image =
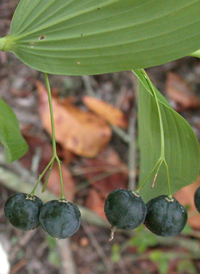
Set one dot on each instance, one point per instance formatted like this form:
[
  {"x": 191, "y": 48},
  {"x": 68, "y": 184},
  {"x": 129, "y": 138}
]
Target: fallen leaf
[
  {"x": 186, "y": 197},
  {"x": 111, "y": 157},
  {"x": 68, "y": 183},
  {"x": 107, "y": 172},
  {"x": 180, "y": 91},
  {"x": 67, "y": 156},
  {"x": 108, "y": 112},
  {"x": 81, "y": 132}
]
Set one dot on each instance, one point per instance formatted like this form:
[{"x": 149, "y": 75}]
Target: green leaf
[
  {"x": 54, "y": 259},
  {"x": 143, "y": 239},
  {"x": 186, "y": 266},
  {"x": 78, "y": 37},
  {"x": 115, "y": 253},
  {"x": 182, "y": 152},
  {"x": 10, "y": 135},
  {"x": 162, "y": 259}
]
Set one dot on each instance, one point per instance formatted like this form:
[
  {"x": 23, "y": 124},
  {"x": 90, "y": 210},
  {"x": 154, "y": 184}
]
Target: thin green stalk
[
  {"x": 168, "y": 180},
  {"x": 155, "y": 177},
  {"x": 53, "y": 135},
  {"x": 47, "y": 178},
  {"x": 162, "y": 145},
  {"x": 61, "y": 178},
  {"x": 55, "y": 156},
  {"x": 41, "y": 175},
  {"x": 51, "y": 114},
  {"x": 162, "y": 149},
  {"x": 158, "y": 163}
]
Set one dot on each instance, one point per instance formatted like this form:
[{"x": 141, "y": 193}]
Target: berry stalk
[
  {"x": 162, "y": 138},
  {"x": 55, "y": 156}
]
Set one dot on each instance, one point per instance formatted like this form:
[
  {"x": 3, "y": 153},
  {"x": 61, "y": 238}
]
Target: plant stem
[
  {"x": 41, "y": 175},
  {"x": 55, "y": 156},
  {"x": 162, "y": 137},
  {"x": 51, "y": 114},
  {"x": 158, "y": 163},
  {"x": 162, "y": 149},
  {"x": 121, "y": 133},
  {"x": 132, "y": 149},
  {"x": 168, "y": 180},
  {"x": 47, "y": 177}
]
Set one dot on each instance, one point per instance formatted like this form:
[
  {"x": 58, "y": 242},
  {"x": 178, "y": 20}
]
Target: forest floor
[{"x": 88, "y": 180}]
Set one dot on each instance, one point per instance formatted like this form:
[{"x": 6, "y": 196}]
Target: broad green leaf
[
  {"x": 181, "y": 145},
  {"x": 78, "y": 37},
  {"x": 10, "y": 136}
]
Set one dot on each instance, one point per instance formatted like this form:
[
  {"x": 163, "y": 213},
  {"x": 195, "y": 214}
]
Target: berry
[
  {"x": 60, "y": 219},
  {"x": 197, "y": 199},
  {"x": 22, "y": 210},
  {"x": 125, "y": 209},
  {"x": 165, "y": 217}
]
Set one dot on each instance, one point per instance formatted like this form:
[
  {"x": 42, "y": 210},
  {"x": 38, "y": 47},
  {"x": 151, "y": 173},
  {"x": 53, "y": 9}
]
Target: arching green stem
[
  {"x": 162, "y": 137},
  {"x": 55, "y": 156},
  {"x": 151, "y": 87}
]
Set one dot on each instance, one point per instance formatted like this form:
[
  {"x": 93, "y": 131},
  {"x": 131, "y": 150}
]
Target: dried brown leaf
[
  {"x": 84, "y": 133},
  {"x": 180, "y": 91},
  {"x": 107, "y": 172},
  {"x": 186, "y": 197},
  {"x": 108, "y": 112}
]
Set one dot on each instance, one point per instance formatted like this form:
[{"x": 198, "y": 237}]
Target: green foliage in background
[
  {"x": 10, "y": 135},
  {"x": 53, "y": 256}
]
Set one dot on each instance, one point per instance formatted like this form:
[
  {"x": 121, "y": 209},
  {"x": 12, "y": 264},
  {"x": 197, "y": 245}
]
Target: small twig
[
  {"x": 120, "y": 98},
  {"x": 76, "y": 171},
  {"x": 22, "y": 242},
  {"x": 3, "y": 57},
  {"x": 17, "y": 167},
  {"x": 154, "y": 180},
  {"x": 41, "y": 248},
  {"x": 68, "y": 265},
  {"x": 132, "y": 149},
  {"x": 96, "y": 178},
  {"x": 121, "y": 133},
  {"x": 112, "y": 234},
  {"x": 36, "y": 161},
  {"x": 18, "y": 266},
  {"x": 88, "y": 85},
  {"x": 97, "y": 247}
]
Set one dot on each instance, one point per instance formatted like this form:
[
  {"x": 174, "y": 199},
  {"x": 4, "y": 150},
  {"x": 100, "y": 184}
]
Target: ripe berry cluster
[
  {"x": 59, "y": 218},
  {"x": 163, "y": 216}
]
